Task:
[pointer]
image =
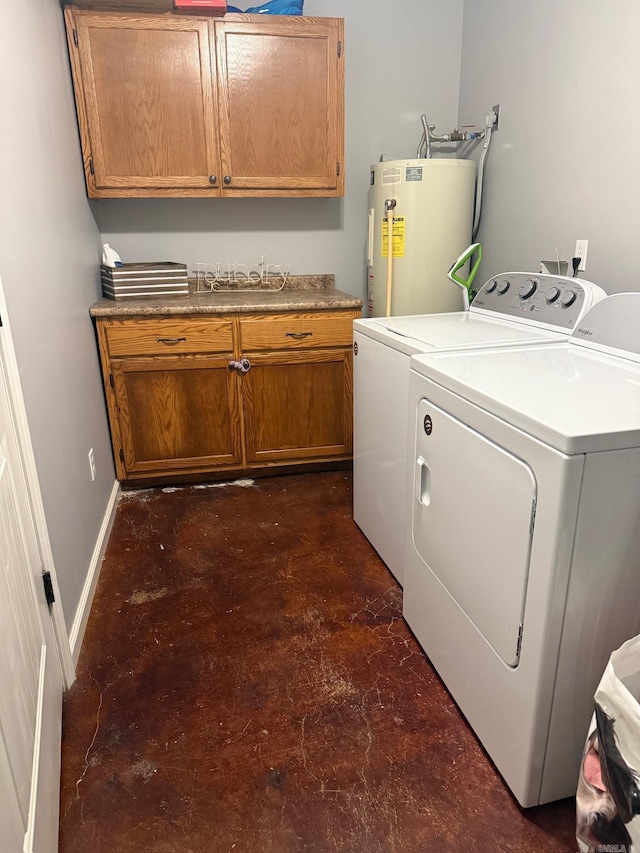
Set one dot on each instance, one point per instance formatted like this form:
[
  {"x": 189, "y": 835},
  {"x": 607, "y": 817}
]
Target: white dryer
[
  {"x": 510, "y": 309},
  {"x": 522, "y": 569}
]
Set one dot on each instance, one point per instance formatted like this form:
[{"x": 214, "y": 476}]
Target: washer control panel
[{"x": 552, "y": 301}]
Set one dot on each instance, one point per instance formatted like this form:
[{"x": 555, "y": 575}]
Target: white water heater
[{"x": 432, "y": 205}]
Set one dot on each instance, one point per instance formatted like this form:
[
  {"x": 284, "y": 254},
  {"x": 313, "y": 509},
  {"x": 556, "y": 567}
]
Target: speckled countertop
[{"x": 300, "y": 293}]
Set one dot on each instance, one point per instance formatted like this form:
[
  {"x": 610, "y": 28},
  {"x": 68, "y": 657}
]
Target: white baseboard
[{"x": 84, "y": 605}]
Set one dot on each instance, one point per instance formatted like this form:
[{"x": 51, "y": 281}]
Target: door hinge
[
  {"x": 533, "y": 516},
  {"x": 75, "y": 37},
  {"x": 48, "y": 588},
  {"x": 91, "y": 165},
  {"x": 339, "y": 48},
  {"x": 519, "y": 640},
  {"x": 111, "y": 382},
  {"x": 337, "y": 168},
  {"x": 121, "y": 454}
]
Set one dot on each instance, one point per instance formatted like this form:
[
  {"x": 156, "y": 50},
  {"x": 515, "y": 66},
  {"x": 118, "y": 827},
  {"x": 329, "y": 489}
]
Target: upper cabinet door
[
  {"x": 281, "y": 104},
  {"x": 148, "y": 111},
  {"x": 175, "y": 105}
]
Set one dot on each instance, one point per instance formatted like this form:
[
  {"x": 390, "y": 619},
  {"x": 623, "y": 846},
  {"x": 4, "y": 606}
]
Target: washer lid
[
  {"x": 456, "y": 330},
  {"x": 571, "y": 397}
]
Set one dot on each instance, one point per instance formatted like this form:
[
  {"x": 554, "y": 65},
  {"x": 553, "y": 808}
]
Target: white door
[
  {"x": 473, "y": 524},
  {"x": 30, "y": 675}
]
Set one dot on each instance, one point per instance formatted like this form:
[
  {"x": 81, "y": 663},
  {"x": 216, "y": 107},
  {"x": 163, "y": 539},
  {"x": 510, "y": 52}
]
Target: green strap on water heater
[{"x": 462, "y": 260}]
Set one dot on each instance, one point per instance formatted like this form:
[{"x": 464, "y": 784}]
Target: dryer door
[{"x": 473, "y": 511}]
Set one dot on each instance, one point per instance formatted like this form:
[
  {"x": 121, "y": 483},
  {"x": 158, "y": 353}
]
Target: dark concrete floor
[{"x": 247, "y": 683}]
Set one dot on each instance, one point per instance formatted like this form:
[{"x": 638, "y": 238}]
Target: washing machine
[
  {"x": 522, "y": 569},
  {"x": 510, "y": 309}
]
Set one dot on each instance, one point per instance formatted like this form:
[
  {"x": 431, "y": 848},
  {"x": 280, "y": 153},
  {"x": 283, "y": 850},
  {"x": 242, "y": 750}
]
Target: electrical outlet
[
  {"x": 92, "y": 466},
  {"x": 581, "y": 252},
  {"x": 496, "y": 109}
]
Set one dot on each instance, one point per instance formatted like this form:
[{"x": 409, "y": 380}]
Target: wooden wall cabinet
[
  {"x": 177, "y": 105},
  {"x": 198, "y": 397}
]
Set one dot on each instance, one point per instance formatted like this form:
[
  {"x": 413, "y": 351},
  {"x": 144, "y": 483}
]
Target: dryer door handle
[{"x": 423, "y": 482}]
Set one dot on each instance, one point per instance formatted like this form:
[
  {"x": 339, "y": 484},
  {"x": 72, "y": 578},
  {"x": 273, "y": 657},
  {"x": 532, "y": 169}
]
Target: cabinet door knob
[
  {"x": 242, "y": 366},
  {"x": 227, "y": 179},
  {"x": 213, "y": 179}
]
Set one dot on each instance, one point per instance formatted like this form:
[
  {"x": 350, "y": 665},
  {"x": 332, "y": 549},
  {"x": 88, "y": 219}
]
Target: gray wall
[
  {"x": 48, "y": 253},
  {"x": 401, "y": 61},
  {"x": 563, "y": 165}
]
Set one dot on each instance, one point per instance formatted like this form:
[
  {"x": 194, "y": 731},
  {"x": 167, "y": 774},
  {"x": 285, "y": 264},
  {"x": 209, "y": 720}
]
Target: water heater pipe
[
  {"x": 389, "y": 207},
  {"x": 480, "y": 182},
  {"x": 428, "y": 137},
  {"x": 426, "y": 128}
]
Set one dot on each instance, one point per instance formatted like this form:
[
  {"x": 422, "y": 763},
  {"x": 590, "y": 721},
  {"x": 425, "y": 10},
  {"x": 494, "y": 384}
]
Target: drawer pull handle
[
  {"x": 242, "y": 366},
  {"x": 298, "y": 335},
  {"x": 170, "y": 341}
]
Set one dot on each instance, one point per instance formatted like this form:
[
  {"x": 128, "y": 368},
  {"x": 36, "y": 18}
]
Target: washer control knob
[
  {"x": 552, "y": 294},
  {"x": 503, "y": 287},
  {"x": 491, "y": 286},
  {"x": 528, "y": 289},
  {"x": 568, "y": 298}
]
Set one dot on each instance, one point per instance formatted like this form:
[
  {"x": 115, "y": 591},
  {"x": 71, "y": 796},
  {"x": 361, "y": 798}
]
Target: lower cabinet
[
  {"x": 191, "y": 397},
  {"x": 176, "y": 414},
  {"x": 297, "y": 406}
]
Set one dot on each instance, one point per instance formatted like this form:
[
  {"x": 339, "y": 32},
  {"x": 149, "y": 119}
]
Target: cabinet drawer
[
  {"x": 169, "y": 336},
  {"x": 296, "y": 331}
]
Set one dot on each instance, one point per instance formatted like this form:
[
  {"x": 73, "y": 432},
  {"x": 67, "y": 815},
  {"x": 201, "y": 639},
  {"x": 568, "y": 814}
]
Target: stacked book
[{"x": 133, "y": 281}]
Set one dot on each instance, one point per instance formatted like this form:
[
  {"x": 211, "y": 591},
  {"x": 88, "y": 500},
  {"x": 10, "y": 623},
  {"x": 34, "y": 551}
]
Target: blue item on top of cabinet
[{"x": 275, "y": 7}]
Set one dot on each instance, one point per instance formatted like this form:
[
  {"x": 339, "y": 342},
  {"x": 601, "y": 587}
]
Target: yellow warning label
[{"x": 398, "y": 237}]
